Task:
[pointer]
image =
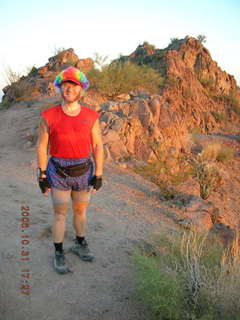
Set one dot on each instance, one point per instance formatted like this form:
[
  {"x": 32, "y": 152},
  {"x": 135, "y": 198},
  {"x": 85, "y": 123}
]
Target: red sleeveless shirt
[{"x": 70, "y": 136}]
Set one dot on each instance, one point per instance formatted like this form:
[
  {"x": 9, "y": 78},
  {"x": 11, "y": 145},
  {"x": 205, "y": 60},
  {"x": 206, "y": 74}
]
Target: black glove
[
  {"x": 96, "y": 182},
  {"x": 43, "y": 184}
]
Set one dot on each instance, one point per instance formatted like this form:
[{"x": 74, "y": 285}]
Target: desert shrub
[
  {"x": 172, "y": 81},
  {"x": 100, "y": 60},
  {"x": 160, "y": 171},
  {"x": 195, "y": 131},
  {"x": 225, "y": 155},
  {"x": 158, "y": 288},
  {"x": 4, "y": 105},
  {"x": 219, "y": 116},
  {"x": 146, "y": 43},
  {"x": 189, "y": 276},
  {"x": 58, "y": 50},
  {"x": 216, "y": 152},
  {"x": 202, "y": 38},
  {"x": 121, "y": 77},
  {"x": 210, "y": 151},
  {"x": 159, "y": 54},
  {"x": 207, "y": 82},
  {"x": 233, "y": 100},
  {"x": 173, "y": 41},
  {"x": 206, "y": 173},
  {"x": 31, "y": 70},
  {"x": 20, "y": 86},
  {"x": 11, "y": 76},
  {"x": 156, "y": 172}
]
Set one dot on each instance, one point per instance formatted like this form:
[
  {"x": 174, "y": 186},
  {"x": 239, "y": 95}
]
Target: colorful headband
[{"x": 74, "y": 75}]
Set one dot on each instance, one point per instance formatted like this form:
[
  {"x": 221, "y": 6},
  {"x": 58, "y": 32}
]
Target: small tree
[
  {"x": 173, "y": 41},
  {"x": 58, "y": 50},
  {"x": 11, "y": 76},
  {"x": 202, "y": 38},
  {"x": 99, "y": 60}
]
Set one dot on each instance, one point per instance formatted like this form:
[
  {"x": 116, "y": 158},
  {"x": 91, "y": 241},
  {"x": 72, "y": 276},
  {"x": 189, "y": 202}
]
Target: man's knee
[
  {"x": 60, "y": 211},
  {"x": 79, "y": 208}
]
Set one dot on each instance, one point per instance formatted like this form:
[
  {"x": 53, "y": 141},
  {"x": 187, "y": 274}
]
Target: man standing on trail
[{"x": 73, "y": 133}]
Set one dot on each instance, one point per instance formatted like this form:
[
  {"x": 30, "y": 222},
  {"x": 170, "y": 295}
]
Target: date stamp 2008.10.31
[{"x": 25, "y": 273}]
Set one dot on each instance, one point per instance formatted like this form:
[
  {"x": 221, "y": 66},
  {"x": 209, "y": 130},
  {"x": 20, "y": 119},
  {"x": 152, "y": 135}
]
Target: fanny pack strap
[
  {"x": 58, "y": 168},
  {"x": 83, "y": 167}
]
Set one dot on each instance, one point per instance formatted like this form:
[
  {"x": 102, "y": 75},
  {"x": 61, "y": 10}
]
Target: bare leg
[
  {"x": 79, "y": 217},
  {"x": 79, "y": 205},
  {"x": 59, "y": 222},
  {"x": 60, "y": 205},
  {"x": 80, "y": 201}
]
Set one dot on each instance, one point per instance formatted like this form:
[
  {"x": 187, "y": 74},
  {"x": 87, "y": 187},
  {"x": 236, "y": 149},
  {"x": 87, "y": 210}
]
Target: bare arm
[
  {"x": 42, "y": 145},
  {"x": 97, "y": 148}
]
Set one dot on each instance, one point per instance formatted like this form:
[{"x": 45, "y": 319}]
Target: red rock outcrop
[
  {"x": 128, "y": 126},
  {"x": 39, "y": 82},
  {"x": 196, "y": 90}
]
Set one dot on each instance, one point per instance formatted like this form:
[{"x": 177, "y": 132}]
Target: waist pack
[{"x": 72, "y": 171}]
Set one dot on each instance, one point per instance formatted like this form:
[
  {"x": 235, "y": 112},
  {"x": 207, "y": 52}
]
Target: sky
[{"x": 31, "y": 31}]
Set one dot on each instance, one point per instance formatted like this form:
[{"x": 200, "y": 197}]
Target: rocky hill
[
  {"x": 39, "y": 82},
  {"x": 196, "y": 96}
]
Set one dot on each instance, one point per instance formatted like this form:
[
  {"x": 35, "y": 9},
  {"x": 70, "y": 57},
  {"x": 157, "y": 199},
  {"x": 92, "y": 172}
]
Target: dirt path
[{"x": 123, "y": 212}]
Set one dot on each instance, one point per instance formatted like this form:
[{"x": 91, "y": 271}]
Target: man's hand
[
  {"x": 44, "y": 185},
  {"x": 96, "y": 182}
]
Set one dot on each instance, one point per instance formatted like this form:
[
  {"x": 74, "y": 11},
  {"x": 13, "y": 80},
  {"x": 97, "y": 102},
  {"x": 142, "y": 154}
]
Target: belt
[{"x": 72, "y": 171}]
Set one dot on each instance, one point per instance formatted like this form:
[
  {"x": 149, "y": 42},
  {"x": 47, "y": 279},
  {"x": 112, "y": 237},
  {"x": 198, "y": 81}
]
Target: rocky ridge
[{"x": 196, "y": 95}]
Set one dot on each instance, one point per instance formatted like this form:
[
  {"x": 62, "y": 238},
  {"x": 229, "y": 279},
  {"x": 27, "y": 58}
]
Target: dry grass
[
  {"x": 191, "y": 276},
  {"x": 210, "y": 151},
  {"x": 225, "y": 155},
  {"x": 216, "y": 152}
]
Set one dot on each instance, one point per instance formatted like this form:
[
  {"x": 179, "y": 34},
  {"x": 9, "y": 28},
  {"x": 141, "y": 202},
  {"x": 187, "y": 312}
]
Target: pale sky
[{"x": 30, "y": 31}]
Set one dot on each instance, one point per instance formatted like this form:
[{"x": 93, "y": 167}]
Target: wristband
[{"x": 40, "y": 172}]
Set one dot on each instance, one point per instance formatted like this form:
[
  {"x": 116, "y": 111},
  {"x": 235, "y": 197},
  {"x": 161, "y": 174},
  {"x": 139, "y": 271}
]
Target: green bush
[
  {"x": 233, "y": 100},
  {"x": 121, "y": 77},
  {"x": 195, "y": 131},
  {"x": 207, "y": 82},
  {"x": 158, "y": 288},
  {"x": 190, "y": 277},
  {"x": 219, "y": 116},
  {"x": 174, "y": 41},
  {"x": 202, "y": 38},
  {"x": 159, "y": 171},
  {"x": 4, "y": 105}
]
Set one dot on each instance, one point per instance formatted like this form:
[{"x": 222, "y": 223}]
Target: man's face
[{"x": 70, "y": 91}]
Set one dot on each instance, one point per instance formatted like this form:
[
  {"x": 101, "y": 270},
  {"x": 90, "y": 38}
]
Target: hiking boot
[
  {"x": 82, "y": 250},
  {"x": 59, "y": 263}
]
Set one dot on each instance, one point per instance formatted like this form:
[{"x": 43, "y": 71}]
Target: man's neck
[{"x": 71, "y": 105}]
